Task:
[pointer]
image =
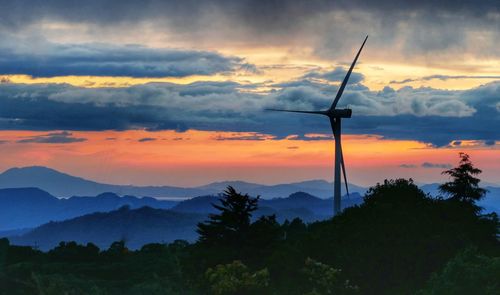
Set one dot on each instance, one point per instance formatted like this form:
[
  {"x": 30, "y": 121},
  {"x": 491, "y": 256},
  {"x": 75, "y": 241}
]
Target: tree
[
  {"x": 464, "y": 186},
  {"x": 231, "y": 225},
  {"x": 4, "y": 247},
  {"x": 467, "y": 273},
  {"x": 324, "y": 279},
  {"x": 235, "y": 278}
]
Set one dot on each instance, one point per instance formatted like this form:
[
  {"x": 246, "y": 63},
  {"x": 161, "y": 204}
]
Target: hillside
[
  {"x": 146, "y": 224},
  {"x": 29, "y": 207},
  {"x": 135, "y": 226},
  {"x": 298, "y": 204}
]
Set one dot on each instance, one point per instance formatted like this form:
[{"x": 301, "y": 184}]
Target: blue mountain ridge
[{"x": 64, "y": 185}]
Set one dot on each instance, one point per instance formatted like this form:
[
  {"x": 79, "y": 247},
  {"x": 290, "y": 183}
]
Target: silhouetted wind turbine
[{"x": 335, "y": 116}]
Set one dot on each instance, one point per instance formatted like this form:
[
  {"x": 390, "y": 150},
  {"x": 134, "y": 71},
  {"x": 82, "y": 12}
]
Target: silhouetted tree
[
  {"x": 4, "y": 247},
  {"x": 230, "y": 226},
  {"x": 464, "y": 186},
  {"x": 392, "y": 242}
]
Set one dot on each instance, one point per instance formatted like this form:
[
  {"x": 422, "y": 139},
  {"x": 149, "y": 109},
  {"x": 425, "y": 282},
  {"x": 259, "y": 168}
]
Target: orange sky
[{"x": 199, "y": 157}]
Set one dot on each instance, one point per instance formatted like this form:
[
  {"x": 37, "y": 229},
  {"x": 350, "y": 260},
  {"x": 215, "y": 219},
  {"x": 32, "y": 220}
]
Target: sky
[{"x": 175, "y": 92}]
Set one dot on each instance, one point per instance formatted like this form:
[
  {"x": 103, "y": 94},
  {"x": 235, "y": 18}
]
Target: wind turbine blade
[
  {"x": 293, "y": 111},
  {"x": 343, "y": 170},
  {"x": 344, "y": 83}
]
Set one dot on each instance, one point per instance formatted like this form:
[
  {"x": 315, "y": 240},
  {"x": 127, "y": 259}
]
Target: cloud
[
  {"x": 408, "y": 166},
  {"x": 50, "y": 60},
  {"x": 443, "y": 78},
  {"x": 56, "y": 137},
  {"x": 409, "y": 30},
  {"x": 145, "y": 139},
  {"x": 424, "y": 114},
  {"x": 435, "y": 165},
  {"x": 336, "y": 74},
  {"x": 252, "y": 136}
]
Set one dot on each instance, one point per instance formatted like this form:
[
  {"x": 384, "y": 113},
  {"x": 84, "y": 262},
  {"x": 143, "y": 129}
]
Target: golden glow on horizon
[
  {"x": 199, "y": 157},
  {"x": 377, "y": 76}
]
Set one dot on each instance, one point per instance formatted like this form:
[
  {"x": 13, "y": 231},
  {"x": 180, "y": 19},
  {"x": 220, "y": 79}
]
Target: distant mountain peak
[
  {"x": 26, "y": 191},
  {"x": 302, "y": 196},
  {"x": 65, "y": 185},
  {"x": 41, "y": 169},
  {"x": 108, "y": 195}
]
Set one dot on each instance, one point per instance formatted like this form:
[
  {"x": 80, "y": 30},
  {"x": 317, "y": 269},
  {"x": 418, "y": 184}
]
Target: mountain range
[
  {"x": 30, "y": 215},
  {"x": 29, "y": 207},
  {"x": 145, "y": 224},
  {"x": 63, "y": 185},
  {"x": 22, "y": 208}
]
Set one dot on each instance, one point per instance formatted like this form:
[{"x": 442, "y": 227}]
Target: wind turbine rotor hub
[{"x": 342, "y": 113}]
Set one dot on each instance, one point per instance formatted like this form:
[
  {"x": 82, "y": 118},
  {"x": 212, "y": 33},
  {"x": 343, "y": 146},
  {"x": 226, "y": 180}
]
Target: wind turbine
[{"x": 335, "y": 115}]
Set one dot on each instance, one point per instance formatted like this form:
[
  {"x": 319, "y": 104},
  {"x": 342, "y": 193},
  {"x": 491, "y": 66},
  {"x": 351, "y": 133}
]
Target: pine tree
[
  {"x": 231, "y": 225},
  {"x": 464, "y": 186}
]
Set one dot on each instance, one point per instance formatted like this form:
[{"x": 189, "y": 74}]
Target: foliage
[
  {"x": 326, "y": 280},
  {"x": 464, "y": 187},
  {"x": 231, "y": 225},
  {"x": 4, "y": 246},
  {"x": 63, "y": 285},
  {"x": 467, "y": 273},
  {"x": 235, "y": 278},
  {"x": 72, "y": 252},
  {"x": 394, "y": 241}
]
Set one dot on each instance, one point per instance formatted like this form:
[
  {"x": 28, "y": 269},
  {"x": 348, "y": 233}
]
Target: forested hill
[
  {"x": 136, "y": 227},
  {"x": 29, "y": 207}
]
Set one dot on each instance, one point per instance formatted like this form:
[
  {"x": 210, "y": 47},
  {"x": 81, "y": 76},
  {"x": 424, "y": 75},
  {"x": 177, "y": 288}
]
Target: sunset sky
[{"x": 174, "y": 92}]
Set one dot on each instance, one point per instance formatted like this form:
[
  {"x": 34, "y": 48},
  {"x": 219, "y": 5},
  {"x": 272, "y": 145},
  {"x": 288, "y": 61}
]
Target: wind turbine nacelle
[{"x": 343, "y": 113}]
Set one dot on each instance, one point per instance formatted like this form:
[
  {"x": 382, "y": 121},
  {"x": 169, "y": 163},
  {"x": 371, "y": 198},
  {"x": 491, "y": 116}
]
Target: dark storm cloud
[
  {"x": 329, "y": 26},
  {"x": 259, "y": 13},
  {"x": 50, "y": 60},
  {"x": 56, "y": 137},
  {"x": 424, "y": 114}
]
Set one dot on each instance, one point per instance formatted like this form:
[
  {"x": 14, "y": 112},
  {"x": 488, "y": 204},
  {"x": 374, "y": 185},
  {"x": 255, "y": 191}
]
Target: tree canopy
[
  {"x": 230, "y": 226},
  {"x": 464, "y": 186}
]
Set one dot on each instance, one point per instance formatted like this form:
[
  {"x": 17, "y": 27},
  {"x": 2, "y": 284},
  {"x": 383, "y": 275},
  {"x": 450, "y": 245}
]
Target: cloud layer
[
  {"x": 433, "y": 30},
  {"x": 55, "y": 138},
  {"x": 424, "y": 114},
  {"x": 49, "y": 60}
]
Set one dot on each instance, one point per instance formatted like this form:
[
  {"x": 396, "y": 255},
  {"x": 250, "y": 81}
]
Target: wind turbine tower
[{"x": 335, "y": 115}]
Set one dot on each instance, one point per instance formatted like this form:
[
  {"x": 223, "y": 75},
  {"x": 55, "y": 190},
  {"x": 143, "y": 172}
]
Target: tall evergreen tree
[
  {"x": 231, "y": 225},
  {"x": 464, "y": 186}
]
